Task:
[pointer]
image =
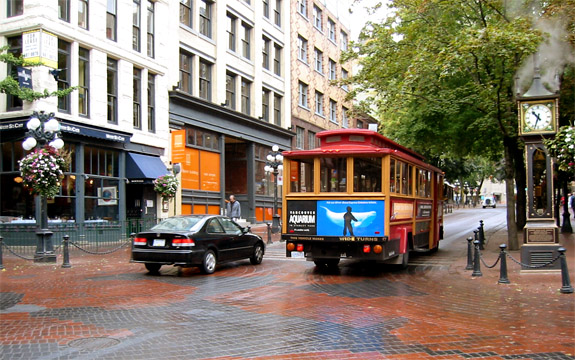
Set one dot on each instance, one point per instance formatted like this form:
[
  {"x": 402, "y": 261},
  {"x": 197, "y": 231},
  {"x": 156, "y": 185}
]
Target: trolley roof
[{"x": 346, "y": 142}]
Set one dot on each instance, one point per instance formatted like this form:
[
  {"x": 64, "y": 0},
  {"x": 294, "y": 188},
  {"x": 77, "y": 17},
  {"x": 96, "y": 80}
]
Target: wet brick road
[{"x": 107, "y": 308}]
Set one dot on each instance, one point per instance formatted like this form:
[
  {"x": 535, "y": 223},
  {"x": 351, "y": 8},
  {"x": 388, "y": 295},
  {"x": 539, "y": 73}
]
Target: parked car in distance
[
  {"x": 196, "y": 240},
  {"x": 488, "y": 201}
]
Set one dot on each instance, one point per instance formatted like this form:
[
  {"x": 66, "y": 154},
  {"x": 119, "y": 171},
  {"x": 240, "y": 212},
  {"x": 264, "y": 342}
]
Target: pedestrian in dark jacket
[{"x": 233, "y": 209}]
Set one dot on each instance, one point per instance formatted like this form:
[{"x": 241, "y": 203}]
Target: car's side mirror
[{"x": 246, "y": 229}]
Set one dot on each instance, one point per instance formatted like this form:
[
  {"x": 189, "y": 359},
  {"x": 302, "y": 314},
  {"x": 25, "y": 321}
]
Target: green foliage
[
  {"x": 11, "y": 86},
  {"x": 562, "y": 148},
  {"x": 443, "y": 71}
]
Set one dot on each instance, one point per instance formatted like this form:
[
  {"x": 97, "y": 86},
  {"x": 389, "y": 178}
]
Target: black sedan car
[{"x": 196, "y": 240}]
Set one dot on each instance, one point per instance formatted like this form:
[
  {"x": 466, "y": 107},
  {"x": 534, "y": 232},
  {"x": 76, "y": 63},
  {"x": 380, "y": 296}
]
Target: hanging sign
[{"x": 39, "y": 46}]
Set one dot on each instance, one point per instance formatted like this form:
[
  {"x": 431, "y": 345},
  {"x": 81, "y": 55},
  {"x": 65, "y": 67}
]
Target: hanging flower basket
[
  {"x": 562, "y": 148},
  {"x": 42, "y": 171},
  {"x": 166, "y": 186}
]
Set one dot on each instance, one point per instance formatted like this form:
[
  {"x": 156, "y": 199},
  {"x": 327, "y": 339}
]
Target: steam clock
[{"x": 538, "y": 111}]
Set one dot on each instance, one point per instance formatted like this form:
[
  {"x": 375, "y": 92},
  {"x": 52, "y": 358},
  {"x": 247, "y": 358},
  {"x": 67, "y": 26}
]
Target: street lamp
[
  {"x": 43, "y": 129},
  {"x": 274, "y": 164}
]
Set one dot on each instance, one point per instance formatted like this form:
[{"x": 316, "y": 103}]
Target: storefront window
[{"x": 101, "y": 199}]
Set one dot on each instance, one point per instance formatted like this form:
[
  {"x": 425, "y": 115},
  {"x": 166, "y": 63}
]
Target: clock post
[{"x": 538, "y": 111}]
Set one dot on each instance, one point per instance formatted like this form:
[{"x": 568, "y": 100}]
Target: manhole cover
[{"x": 93, "y": 343}]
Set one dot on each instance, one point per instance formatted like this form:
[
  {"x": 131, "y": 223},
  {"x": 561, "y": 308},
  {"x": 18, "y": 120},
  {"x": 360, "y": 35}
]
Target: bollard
[
  {"x": 66, "y": 262},
  {"x": 566, "y": 288},
  {"x": 1, "y": 245},
  {"x": 469, "y": 254},
  {"x": 503, "y": 269},
  {"x": 269, "y": 233},
  {"x": 481, "y": 235},
  {"x": 476, "y": 260}
]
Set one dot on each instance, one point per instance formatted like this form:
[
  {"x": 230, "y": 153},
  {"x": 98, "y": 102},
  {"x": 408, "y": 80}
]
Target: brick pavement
[{"x": 107, "y": 308}]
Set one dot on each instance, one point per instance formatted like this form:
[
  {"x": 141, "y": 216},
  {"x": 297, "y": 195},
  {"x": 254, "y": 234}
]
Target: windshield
[{"x": 178, "y": 224}]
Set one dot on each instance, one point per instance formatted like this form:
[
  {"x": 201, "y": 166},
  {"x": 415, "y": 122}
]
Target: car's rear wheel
[
  {"x": 258, "y": 254},
  {"x": 209, "y": 263},
  {"x": 153, "y": 268}
]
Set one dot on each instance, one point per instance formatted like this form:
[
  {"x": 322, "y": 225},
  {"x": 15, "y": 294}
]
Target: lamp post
[
  {"x": 43, "y": 129},
  {"x": 274, "y": 164}
]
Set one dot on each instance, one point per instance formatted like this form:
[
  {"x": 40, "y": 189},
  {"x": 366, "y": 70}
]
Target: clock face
[{"x": 538, "y": 117}]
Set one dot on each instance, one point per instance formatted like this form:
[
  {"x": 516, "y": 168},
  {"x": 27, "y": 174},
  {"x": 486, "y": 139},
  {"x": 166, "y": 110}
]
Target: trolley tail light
[
  {"x": 378, "y": 249},
  {"x": 290, "y": 246},
  {"x": 299, "y": 247},
  {"x": 366, "y": 249},
  {"x": 139, "y": 241},
  {"x": 183, "y": 242}
]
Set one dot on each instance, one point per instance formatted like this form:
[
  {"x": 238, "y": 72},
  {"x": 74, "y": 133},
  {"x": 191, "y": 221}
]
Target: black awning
[{"x": 144, "y": 168}]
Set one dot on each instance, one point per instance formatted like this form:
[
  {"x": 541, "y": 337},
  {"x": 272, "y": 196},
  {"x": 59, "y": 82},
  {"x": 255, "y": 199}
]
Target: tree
[{"x": 443, "y": 71}]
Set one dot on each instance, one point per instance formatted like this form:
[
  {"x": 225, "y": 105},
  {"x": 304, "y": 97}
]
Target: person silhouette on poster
[{"x": 347, "y": 219}]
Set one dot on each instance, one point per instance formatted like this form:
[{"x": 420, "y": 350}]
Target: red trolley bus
[{"x": 360, "y": 196}]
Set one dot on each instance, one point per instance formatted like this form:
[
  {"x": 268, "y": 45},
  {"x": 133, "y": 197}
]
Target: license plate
[
  {"x": 297, "y": 254},
  {"x": 159, "y": 242}
]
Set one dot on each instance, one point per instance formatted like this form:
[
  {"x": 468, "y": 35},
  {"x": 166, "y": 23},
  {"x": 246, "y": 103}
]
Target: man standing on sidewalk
[
  {"x": 572, "y": 203},
  {"x": 233, "y": 209}
]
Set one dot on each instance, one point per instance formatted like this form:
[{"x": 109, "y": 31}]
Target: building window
[
  {"x": 63, "y": 77},
  {"x": 331, "y": 29},
  {"x": 137, "y": 99},
  {"x": 186, "y": 12},
  {"x": 319, "y": 103},
  {"x": 64, "y": 10},
  {"x": 151, "y": 102},
  {"x": 277, "y": 60},
  {"x": 344, "y": 120},
  {"x": 136, "y": 25},
  {"x": 186, "y": 72},
  {"x": 231, "y": 29},
  {"x": 247, "y": 30},
  {"x": 359, "y": 124},
  {"x": 83, "y": 81},
  {"x": 206, "y": 18},
  {"x": 302, "y": 49},
  {"x": 266, "y": 5},
  {"x": 15, "y": 8},
  {"x": 15, "y": 48},
  {"x": 231, "y": 91},
  {"x": 332, "y": 70},
  {"x": 344, "y": 77},
  {"x": 112, "y": 90},
  {"x": 205, "y": 80},
  {"x": 111, "y": 20},
  {"x": 332, "y": 111},
  {"x": 302, "y": 95},
  {"x": 299, "y": 137},
  {"x": 277, "y": 109},
  {"x": 317, "y": 17},
  {"x": 318, "y": 60},
  {"x": 151, "y": 25},
  {"x": 278, "y": 13},
  {"x": 245, "y": 95},
  {"x": 310, "y": 140},
  {"x": 302, "y": 7},
  {"x": 83, "y": 14},
  {"x": 343, "y": 39},
  {"x": 266, "y": 94},
  {"x": 266, "y": 52}
]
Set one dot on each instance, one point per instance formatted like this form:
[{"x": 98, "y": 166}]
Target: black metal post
[
  {"x": 481, "y": 235},
  {"x": 1, "y": 245},
  {"x": 269, "y": 233},
  {"x": 503, "y": 269},
  {"x": 66, "y": 262},
  {"x": 566, "y": 288},
  {"x": 476, "y": 260},
  {"x": 44, "y": 246},
  {"x": 469, "y": 254},
  {"x": 275, "y": 219}
]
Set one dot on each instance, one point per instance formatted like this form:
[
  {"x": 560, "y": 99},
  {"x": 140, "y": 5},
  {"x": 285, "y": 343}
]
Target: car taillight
[
  {"x": 299, "y": 247},
  {"x": 183, "y": 242},
  {"x": 367, "y": 249},
  {"x": 140, "y": 241}
]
